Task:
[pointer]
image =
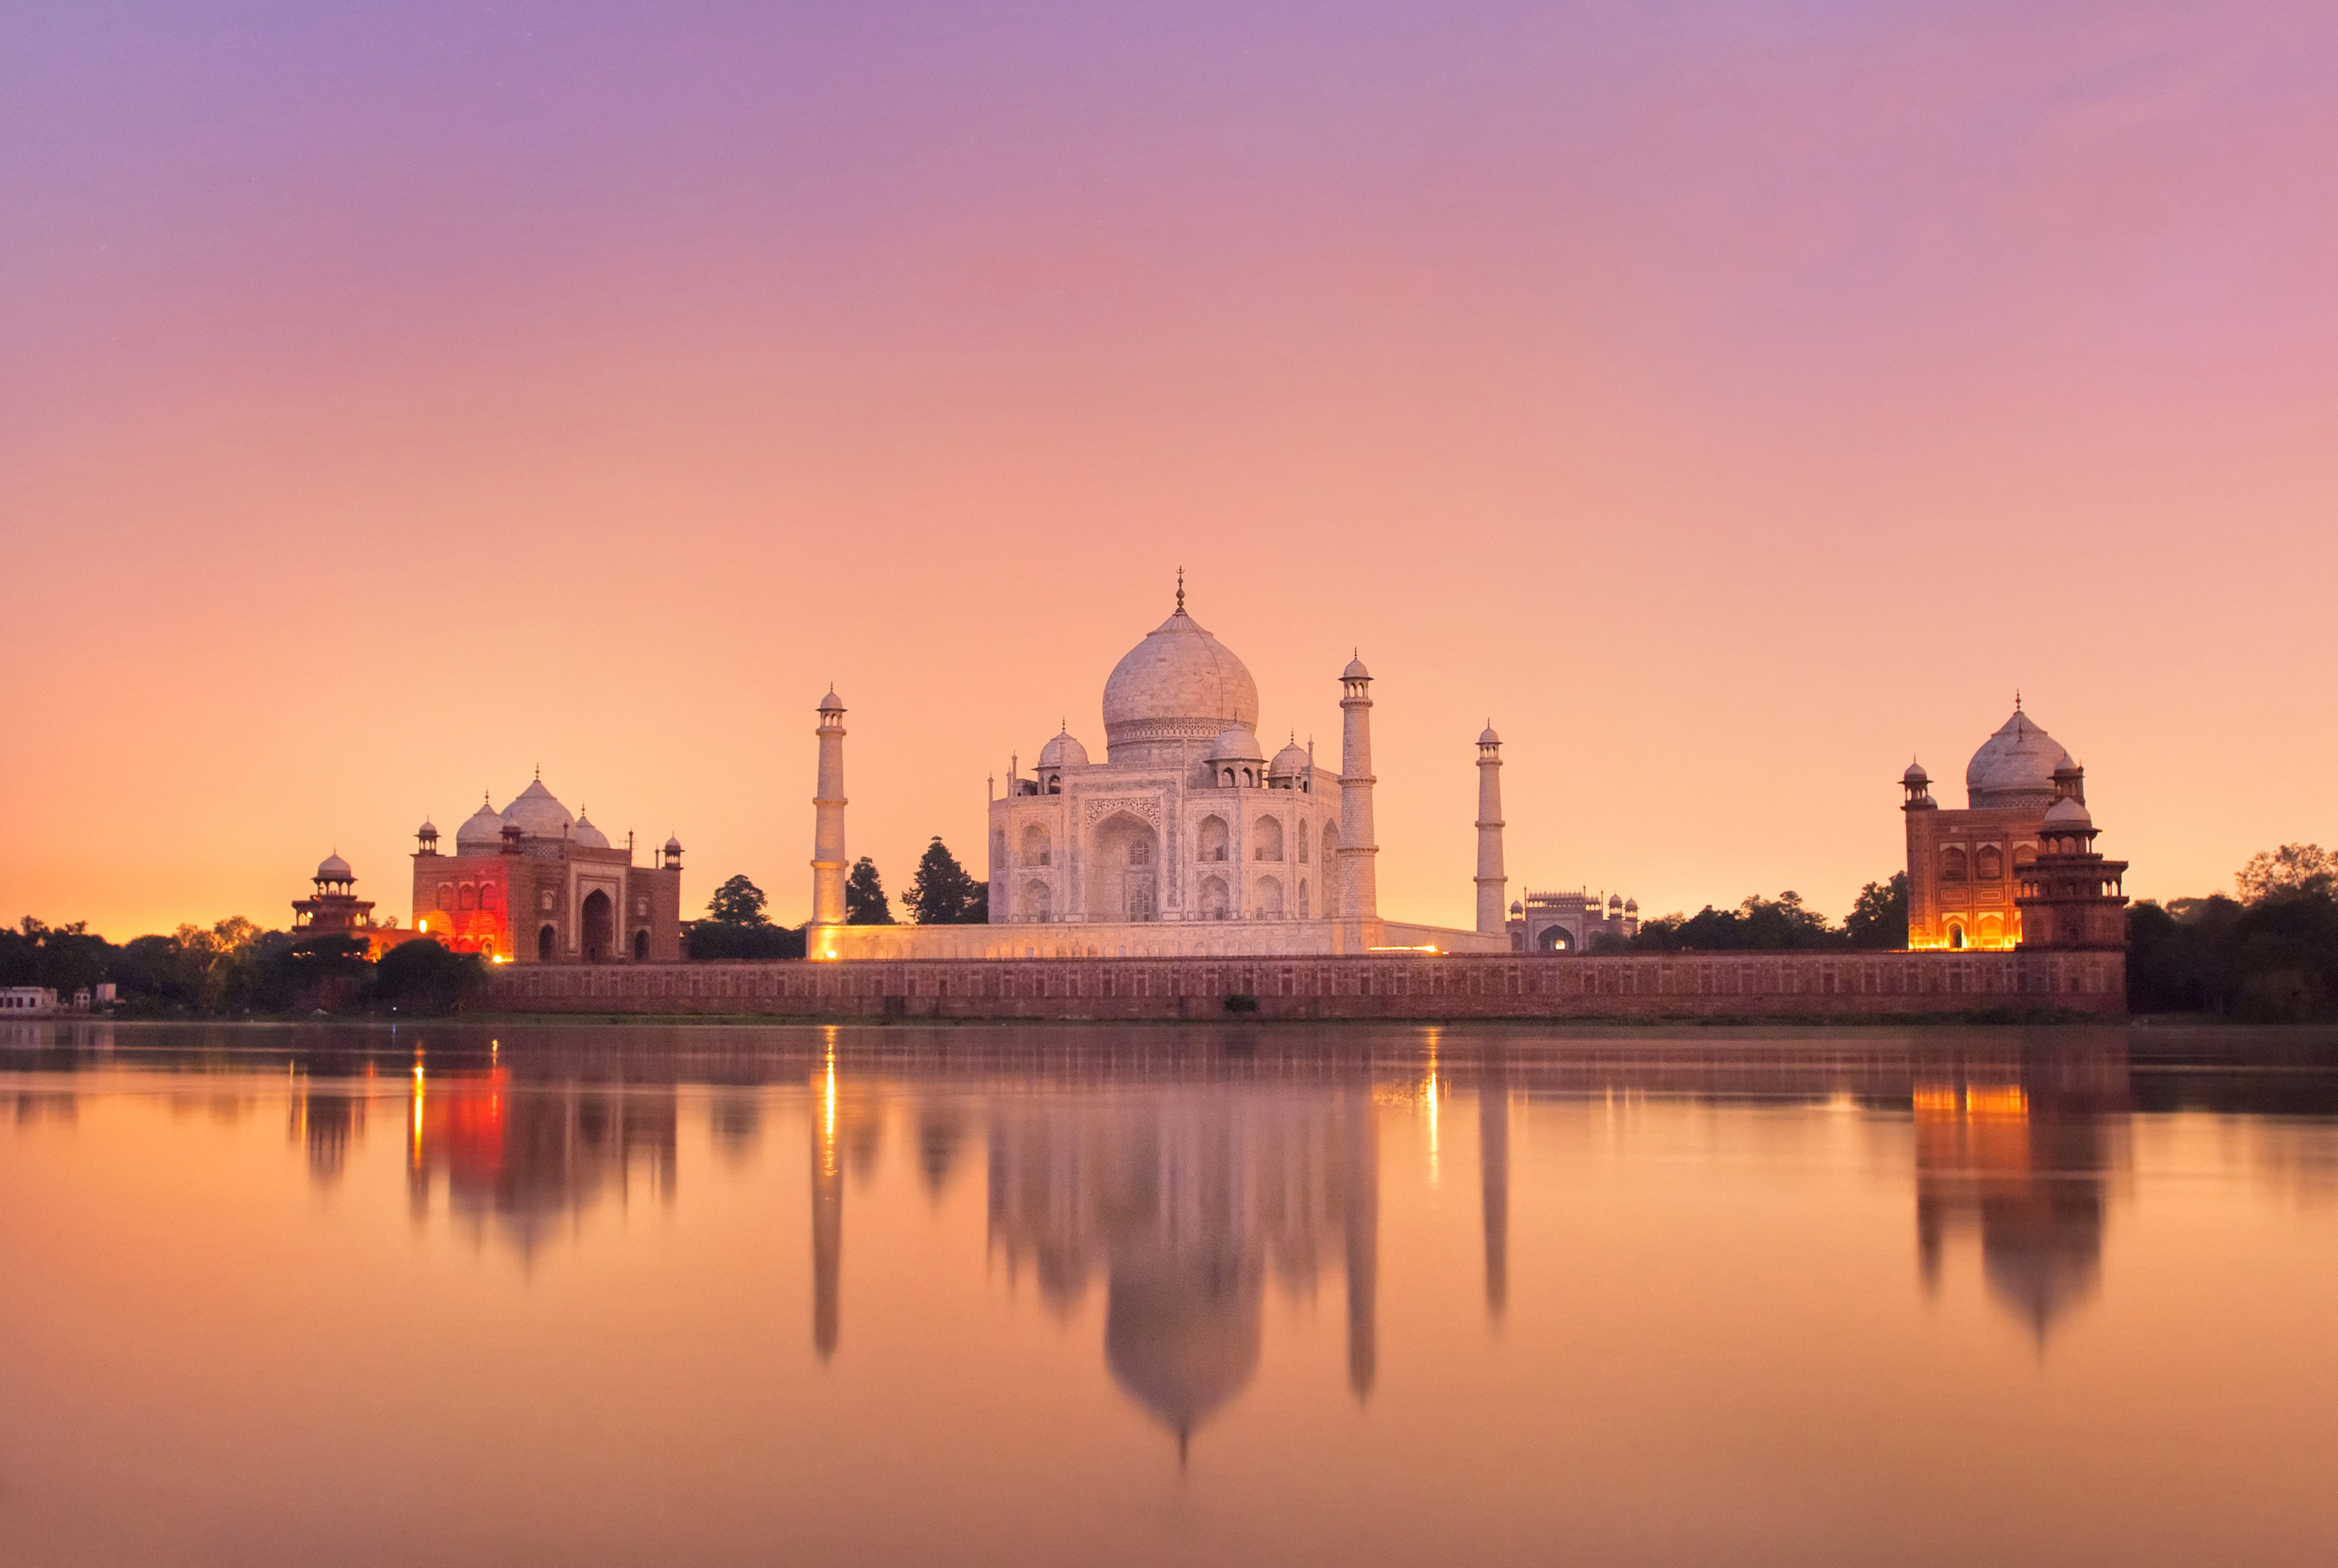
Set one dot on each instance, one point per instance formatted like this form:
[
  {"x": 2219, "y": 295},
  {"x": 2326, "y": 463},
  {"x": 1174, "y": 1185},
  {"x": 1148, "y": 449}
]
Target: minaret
[
  {"x": 1360, "y": 898},
  {"x": 1492, "y": 882},
  {"x": 827, "y": 861}
]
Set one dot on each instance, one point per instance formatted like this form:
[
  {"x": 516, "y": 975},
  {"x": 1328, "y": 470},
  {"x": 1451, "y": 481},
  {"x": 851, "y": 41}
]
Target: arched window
[
  {"x": 486, "y": 895},
  {"x": 468, "y": 899},
  {"x": 1956, "y": 935},
  {"x": 544, "y": 946},
  {"x": 1038, "y": 901},
  {"x": 1953, "y": 865},
  {"x": 1302, "y": 844},
  {"x": 641, "y": 945},
  {"x": 1211, "y": 840},
  {"x": 446, "y": 894},
  {"x": 1266, "y": 839},
  {"x": 1036, "y": 847},
  {"x": 1992, "y": 931},
  {"x": 1989, "y": 863},
  {"x": 1216, "y": 904},
  {"x": 488, "y": 948},
  {"x": 1140, "y": 853},
  {"x": 1268, "y": 903},
  {"x": 1303, "y": 881},
  {"x": 1226, "y": 778}
]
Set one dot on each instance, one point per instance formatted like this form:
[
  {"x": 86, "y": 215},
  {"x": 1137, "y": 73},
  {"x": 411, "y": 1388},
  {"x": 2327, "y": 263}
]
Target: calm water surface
[{"x": 1145, "y": 1295}]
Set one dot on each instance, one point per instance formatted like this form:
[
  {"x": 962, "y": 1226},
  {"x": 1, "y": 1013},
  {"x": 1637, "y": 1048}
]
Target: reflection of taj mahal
[{"x": 1187, "y": 839}]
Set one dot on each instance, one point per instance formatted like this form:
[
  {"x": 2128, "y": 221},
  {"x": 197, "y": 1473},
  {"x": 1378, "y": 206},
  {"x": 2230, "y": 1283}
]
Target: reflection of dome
[
  {"x": 592, "y": 838},
  {"x": 1181, "y": 1330},
  {"x": 539, "y": 815},
  {"x": 1179, "y": 684},
  {"x": 483, "y": 830},
  {"x": 2014, "y": 767},
  {"x": 1291, "y": 762},
  {"x": 1237, "y": 745},
  {"x": 333, "y": 869},
  {"x": 2069, "y": 814},
  {"x": 1063, "y": 752}
]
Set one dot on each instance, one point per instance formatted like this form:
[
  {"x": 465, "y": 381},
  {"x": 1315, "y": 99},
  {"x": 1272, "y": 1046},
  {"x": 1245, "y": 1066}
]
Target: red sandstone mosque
[
  {"x": 2017, "y": 866},
  {"x": 532, "y": 884}
]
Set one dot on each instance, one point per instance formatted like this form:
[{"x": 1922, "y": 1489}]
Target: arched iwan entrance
[
  {"x": 1122, "y": 860},
  {"x": 599, "y": 926}
]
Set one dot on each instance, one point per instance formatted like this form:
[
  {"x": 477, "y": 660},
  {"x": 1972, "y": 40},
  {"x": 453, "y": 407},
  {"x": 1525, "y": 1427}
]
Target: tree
[
  {"x": 2292, "y": 869},
  {"x": 865, "y": 903},
  {"x": 737, "y": 902},
  {"x": 418, "y": 976},
  {"x": 943, "y": 893},
  {"x": 1757, "y": 925},
  {"x": 1879, "y": 918}
]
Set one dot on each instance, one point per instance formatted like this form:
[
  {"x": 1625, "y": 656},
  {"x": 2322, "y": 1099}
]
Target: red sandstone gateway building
[
  {"x": 2017, "y": 866},
  {"x": 533, "y": 885}
]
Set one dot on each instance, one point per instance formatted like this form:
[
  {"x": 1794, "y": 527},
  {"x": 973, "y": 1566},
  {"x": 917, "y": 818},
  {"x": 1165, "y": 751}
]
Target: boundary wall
[{"x": 1384, "y": 985}]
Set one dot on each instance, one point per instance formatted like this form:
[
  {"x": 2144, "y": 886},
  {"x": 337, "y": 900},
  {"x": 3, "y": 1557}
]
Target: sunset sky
[{"x": 1728, "y": 400}]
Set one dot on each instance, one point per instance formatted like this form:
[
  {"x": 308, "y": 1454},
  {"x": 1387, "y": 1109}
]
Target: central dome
[
  {"x": 2014, "y": 767},
  {"x": 1179, "y": 684}
]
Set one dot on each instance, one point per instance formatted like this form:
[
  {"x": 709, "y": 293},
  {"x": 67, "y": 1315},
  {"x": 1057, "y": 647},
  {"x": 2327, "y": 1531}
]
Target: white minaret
[
  {"x": 828, "y": 817},
  {"x": 1491, "y": 918},
  {"x": 1360, "y": 897}
]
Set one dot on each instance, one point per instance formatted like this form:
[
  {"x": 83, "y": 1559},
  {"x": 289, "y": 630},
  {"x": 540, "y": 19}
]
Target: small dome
[
  {"x": 428, "y": 830},
  {"x": 592, "y": 838},
  {"x": 1237, "y": 745},
  {"x": 484, "y": 828},
  {"x": 1488, "y": 737},
  {"x": 2066, "y": 813},
  {"x": 1915, "y": 775},
  {"x": 1516, "y": 907},
  {"x": 831, "y": 703},
  {"x": 333, "y": 869},
  {"x": 2014, "y": 767},
  {"x": 1355, "y": 670},
  {"x": 1291, "y": 762},
  {"x": 673, "y": 844},
  {"x": 1631, "y": 905},
  {"x": 1063, "y": 752},
  {"x": 537, "y": 813},
  {"x": 1615, "y": 900}
]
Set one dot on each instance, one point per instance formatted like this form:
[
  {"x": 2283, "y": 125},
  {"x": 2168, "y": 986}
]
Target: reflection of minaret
[
  {"x": 827, "y": 1212},
  {"x": 1362, "y": 1170},
  {"x": 1494, "y": 1170}
]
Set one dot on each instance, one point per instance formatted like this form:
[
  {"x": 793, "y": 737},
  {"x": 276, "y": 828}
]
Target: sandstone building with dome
[
  {"x": 2017, "y": 866},
  {"x": 534, "y": 884},
  {"x": 1188, "y": 838}
]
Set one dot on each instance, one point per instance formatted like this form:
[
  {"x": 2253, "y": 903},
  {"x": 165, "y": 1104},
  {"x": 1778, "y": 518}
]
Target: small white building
[{"x": 16, "y": 1001}]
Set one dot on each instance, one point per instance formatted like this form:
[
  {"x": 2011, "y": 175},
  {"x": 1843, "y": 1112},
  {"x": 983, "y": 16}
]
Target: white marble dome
[
  {"x": 584, "y": 833},
  {"x": 482, "y": 830},
  {"x": 1179, "y": 684},
  {"x": 2067, "y": 814},
  {"x": 1238, "y": 744},
  {"x": 1291, "y": 762},
  {"x": 333, "y": 869},
  {"x": 1063, "y": 752},
  {"x": 539, "y": 815},
  {"x": 2014, "y": 767}
]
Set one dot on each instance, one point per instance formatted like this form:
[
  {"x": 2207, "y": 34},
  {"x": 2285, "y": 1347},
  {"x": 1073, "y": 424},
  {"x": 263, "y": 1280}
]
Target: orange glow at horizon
[{"x": 1726, "y": 404}]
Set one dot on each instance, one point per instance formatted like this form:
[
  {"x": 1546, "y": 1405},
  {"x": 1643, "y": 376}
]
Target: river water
[{"x": 1066, "y": 1294}]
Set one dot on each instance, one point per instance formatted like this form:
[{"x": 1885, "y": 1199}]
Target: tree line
[
  {"x": 941, "y": 893},
  {"x": 233, "y": 967}
]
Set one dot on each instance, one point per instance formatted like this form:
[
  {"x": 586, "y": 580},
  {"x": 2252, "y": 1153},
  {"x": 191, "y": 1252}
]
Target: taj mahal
[{"x": 1188, "y": 838}]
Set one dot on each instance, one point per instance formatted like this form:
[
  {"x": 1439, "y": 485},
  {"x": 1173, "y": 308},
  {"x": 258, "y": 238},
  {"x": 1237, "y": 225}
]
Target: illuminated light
[
  {"x": 1935, "y": 1100},
  {"x": 422, "y": 926},
  {"x": 2009, "y": 1102},
  {"x": 1402, "y": 949}
]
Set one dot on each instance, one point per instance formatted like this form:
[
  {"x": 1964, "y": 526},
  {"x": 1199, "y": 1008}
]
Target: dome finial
[
  {"x": 2016, "y": 698},
  {"x": 1180, "y": 590}
]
